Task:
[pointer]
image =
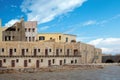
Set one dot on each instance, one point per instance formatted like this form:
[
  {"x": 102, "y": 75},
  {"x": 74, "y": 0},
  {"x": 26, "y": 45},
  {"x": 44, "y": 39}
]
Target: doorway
[
  {"x": 13, "y": 63},
  {"x": 25, "y": 63},
  {"x": 0, "y": 63},
  {"x": 49, "y": 62},
  {"x": 11, "y": 52},
  {"x": 37, "y": 64}
]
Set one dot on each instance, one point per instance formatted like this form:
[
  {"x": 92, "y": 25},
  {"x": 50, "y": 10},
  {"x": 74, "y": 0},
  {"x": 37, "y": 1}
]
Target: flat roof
[{"x": 58, "y": 33}]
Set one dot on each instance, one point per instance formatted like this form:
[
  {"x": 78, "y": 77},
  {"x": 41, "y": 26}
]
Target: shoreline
[{"x": 53, "y": 68}]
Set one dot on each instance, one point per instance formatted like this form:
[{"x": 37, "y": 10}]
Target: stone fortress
[{"x": 22, "y": 47}]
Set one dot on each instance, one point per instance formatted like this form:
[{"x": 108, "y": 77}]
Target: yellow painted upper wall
[{"x": 58, "y": 37}]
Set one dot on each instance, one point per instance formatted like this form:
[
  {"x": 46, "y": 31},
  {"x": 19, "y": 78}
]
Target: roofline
[{"x": 57, "y": 33}]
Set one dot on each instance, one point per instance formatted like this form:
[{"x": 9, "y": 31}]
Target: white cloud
[
  {"x": 90, "y": 22},
  {"x": 11, "y": 22},
  {"x": 108, "y": 45},
  {"x": 45, "y": 11},
  {"x": 44, "y": 28}
]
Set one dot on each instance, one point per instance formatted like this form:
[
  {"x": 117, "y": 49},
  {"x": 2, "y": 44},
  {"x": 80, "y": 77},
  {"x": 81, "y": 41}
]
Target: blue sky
[{"x": 95, "y": 22}]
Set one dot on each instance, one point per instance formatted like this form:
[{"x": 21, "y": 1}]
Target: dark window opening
[
  {"x": 50, "y": 50},
  {"x": 26, "y": 50},
  {"x": 5, "y": 38},
  {"x": 33, "y": 30},
  {"x": 35, "y": 52},
  {"x": 50, "y": 38},
  {"x": 109, "y": 61},
  {"x": 60, "y": 50},
  {"x": 14, "y": 50},
  {"x": 68, "y": 51},
  {"x": 17, "y": 60},
  {"x": 18, "y": 29},
  {"x": 60, "y": 62},
  {"x": 33, "y": 38},
  {"x": 26, "y": 38},
  {"x": 29, "y": 29},
  {"x": 57, "y": 52},
  {"x": 29, "y": 38},
  {"x": 10, "y": 52},
  {"x": 41, "y": 60},
  {"x": 71, "y": 61},
  {"x": 75, "y": 61},
  {"x": 13, "y": 37},
  {"x": 41, "y": 38},
  {"x": 38, "y": 50},
  {"x": 4, "y": 60},
  {"x": 59, "y": 37},
  {"x": 9, "y": 38},
  {"x": 53, "y": 61},
  {"x": 46, "y": 52},
  {"x": 64, "y": 61},
  {"x": 2, "y": 49},
  {"x": 66, "y": 39},
  {"x": 25, "y": 63},
  {"x": 23, "y": 52},
  {"x": 75, "y": 52},
  {"x": 29, "y": 60}
]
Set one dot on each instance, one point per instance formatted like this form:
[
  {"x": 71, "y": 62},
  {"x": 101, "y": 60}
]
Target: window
[
  {"x": 29, "y": 60},
  {"x": 57, "y": 52},
  {"x": 13, "y": 37},
  {"x": 41, "y": 60},
  {"x": 18, "y": 29},
  {"x": 17, "y": 60},
  {"x": 26, "y": 38},
  {"x": 38, "y": 50},
  {"x": 33, "y": 38},
  {"x": 4, "y": 60},
  {"x": 2, "y": 49},
  {"x": 75, "y": 61},
  {"x": 14, "y": 50},
  {"x": 71, "y": 61},
  {"x": 60, "y": 50},
  {"x": 53, "y": 61},
  {"x": 75, "y": 52},
  {"x": 26, "y": 50},
  {"x": 41, "y": 38},
  {"x": 59, "y": 37},
  {"x": 50, "y": 38},
  {"x": 10, "y": 52},
  {"x": 67, "y": 39},
  {"x": 64, "y": 61},
  {"x": 35, "y": 52},
  {"x": 29, "y": 29},
  {"x": 23, "y": 52},
  {"x": 33, "y": 30},
  {"x": 9, "y": 38},
  {"x": 50, "y": 50},
  {"x": 68, "y": 51},
  {"x": 29, "y": 38},
  {"x": 5, "y": 38}
]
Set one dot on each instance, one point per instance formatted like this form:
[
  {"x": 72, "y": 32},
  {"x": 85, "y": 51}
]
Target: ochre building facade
[{"x": 42, "y": 50}]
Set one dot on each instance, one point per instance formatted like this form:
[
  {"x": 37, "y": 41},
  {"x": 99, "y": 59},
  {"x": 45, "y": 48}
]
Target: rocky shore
[
  {"x": 85, "y": 72},
  {"x": 52, "y": 69}
]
